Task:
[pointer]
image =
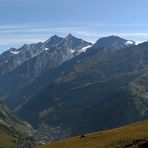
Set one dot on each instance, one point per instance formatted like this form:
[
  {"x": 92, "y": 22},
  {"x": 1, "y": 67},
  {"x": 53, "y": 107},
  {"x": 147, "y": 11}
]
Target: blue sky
[{"x": 29, "y": 21}]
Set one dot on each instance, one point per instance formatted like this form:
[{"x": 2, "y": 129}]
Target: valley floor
[{"x": 131, "y": 136}]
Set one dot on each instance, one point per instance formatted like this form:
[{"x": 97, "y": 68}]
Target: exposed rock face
[{"x": 49, "y": 54}]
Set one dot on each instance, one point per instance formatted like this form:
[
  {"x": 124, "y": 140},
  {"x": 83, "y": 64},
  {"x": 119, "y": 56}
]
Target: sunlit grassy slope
[
  {"x": 7, "y": 139},
  {"x": 133, "y": 136},
  {"x": 13, "y": 132}
]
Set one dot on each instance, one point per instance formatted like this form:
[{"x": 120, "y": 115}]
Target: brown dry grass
[{"x": 130, "y": 135}]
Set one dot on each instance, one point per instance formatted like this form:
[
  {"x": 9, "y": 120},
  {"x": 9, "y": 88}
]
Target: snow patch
[
  {"x": 85, "y": 48},
  {"x": 72, "y": 51},
  {"x": 129, "y": 42},
  {"x": 14, "y": 52},
  {"x": 138, "y": 42},
  {"x": 46, "y": 49}
]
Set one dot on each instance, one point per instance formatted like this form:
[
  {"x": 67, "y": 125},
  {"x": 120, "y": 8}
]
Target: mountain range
[
  {"x": 54, "y": 51},
  {"x": 71, "y": 86},
  {"x": 37, "y": 59}
]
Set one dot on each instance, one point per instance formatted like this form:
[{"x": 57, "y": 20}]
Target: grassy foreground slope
[
  {"x": 13, "y": 132},
  {"x": 9, "y": 138},
  {"x": 131, "y": 136}
]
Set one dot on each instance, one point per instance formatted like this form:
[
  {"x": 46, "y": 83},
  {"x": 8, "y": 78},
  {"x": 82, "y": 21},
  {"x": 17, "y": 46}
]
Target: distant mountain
[
  {"x": 22, "y": 66},
  {"x": 51, "y": 53},
  {"x": 13, "y": 58},
  {"x": 113, "y": 43}
]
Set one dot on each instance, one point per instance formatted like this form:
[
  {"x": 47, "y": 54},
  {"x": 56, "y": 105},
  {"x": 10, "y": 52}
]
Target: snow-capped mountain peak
[
  {"x": 53, "y": 52},
  {"x": 113, "y": 43}
]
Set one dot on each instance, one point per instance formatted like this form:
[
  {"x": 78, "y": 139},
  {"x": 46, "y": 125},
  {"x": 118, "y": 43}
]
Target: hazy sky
[{"x": 27, "y": 21}]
